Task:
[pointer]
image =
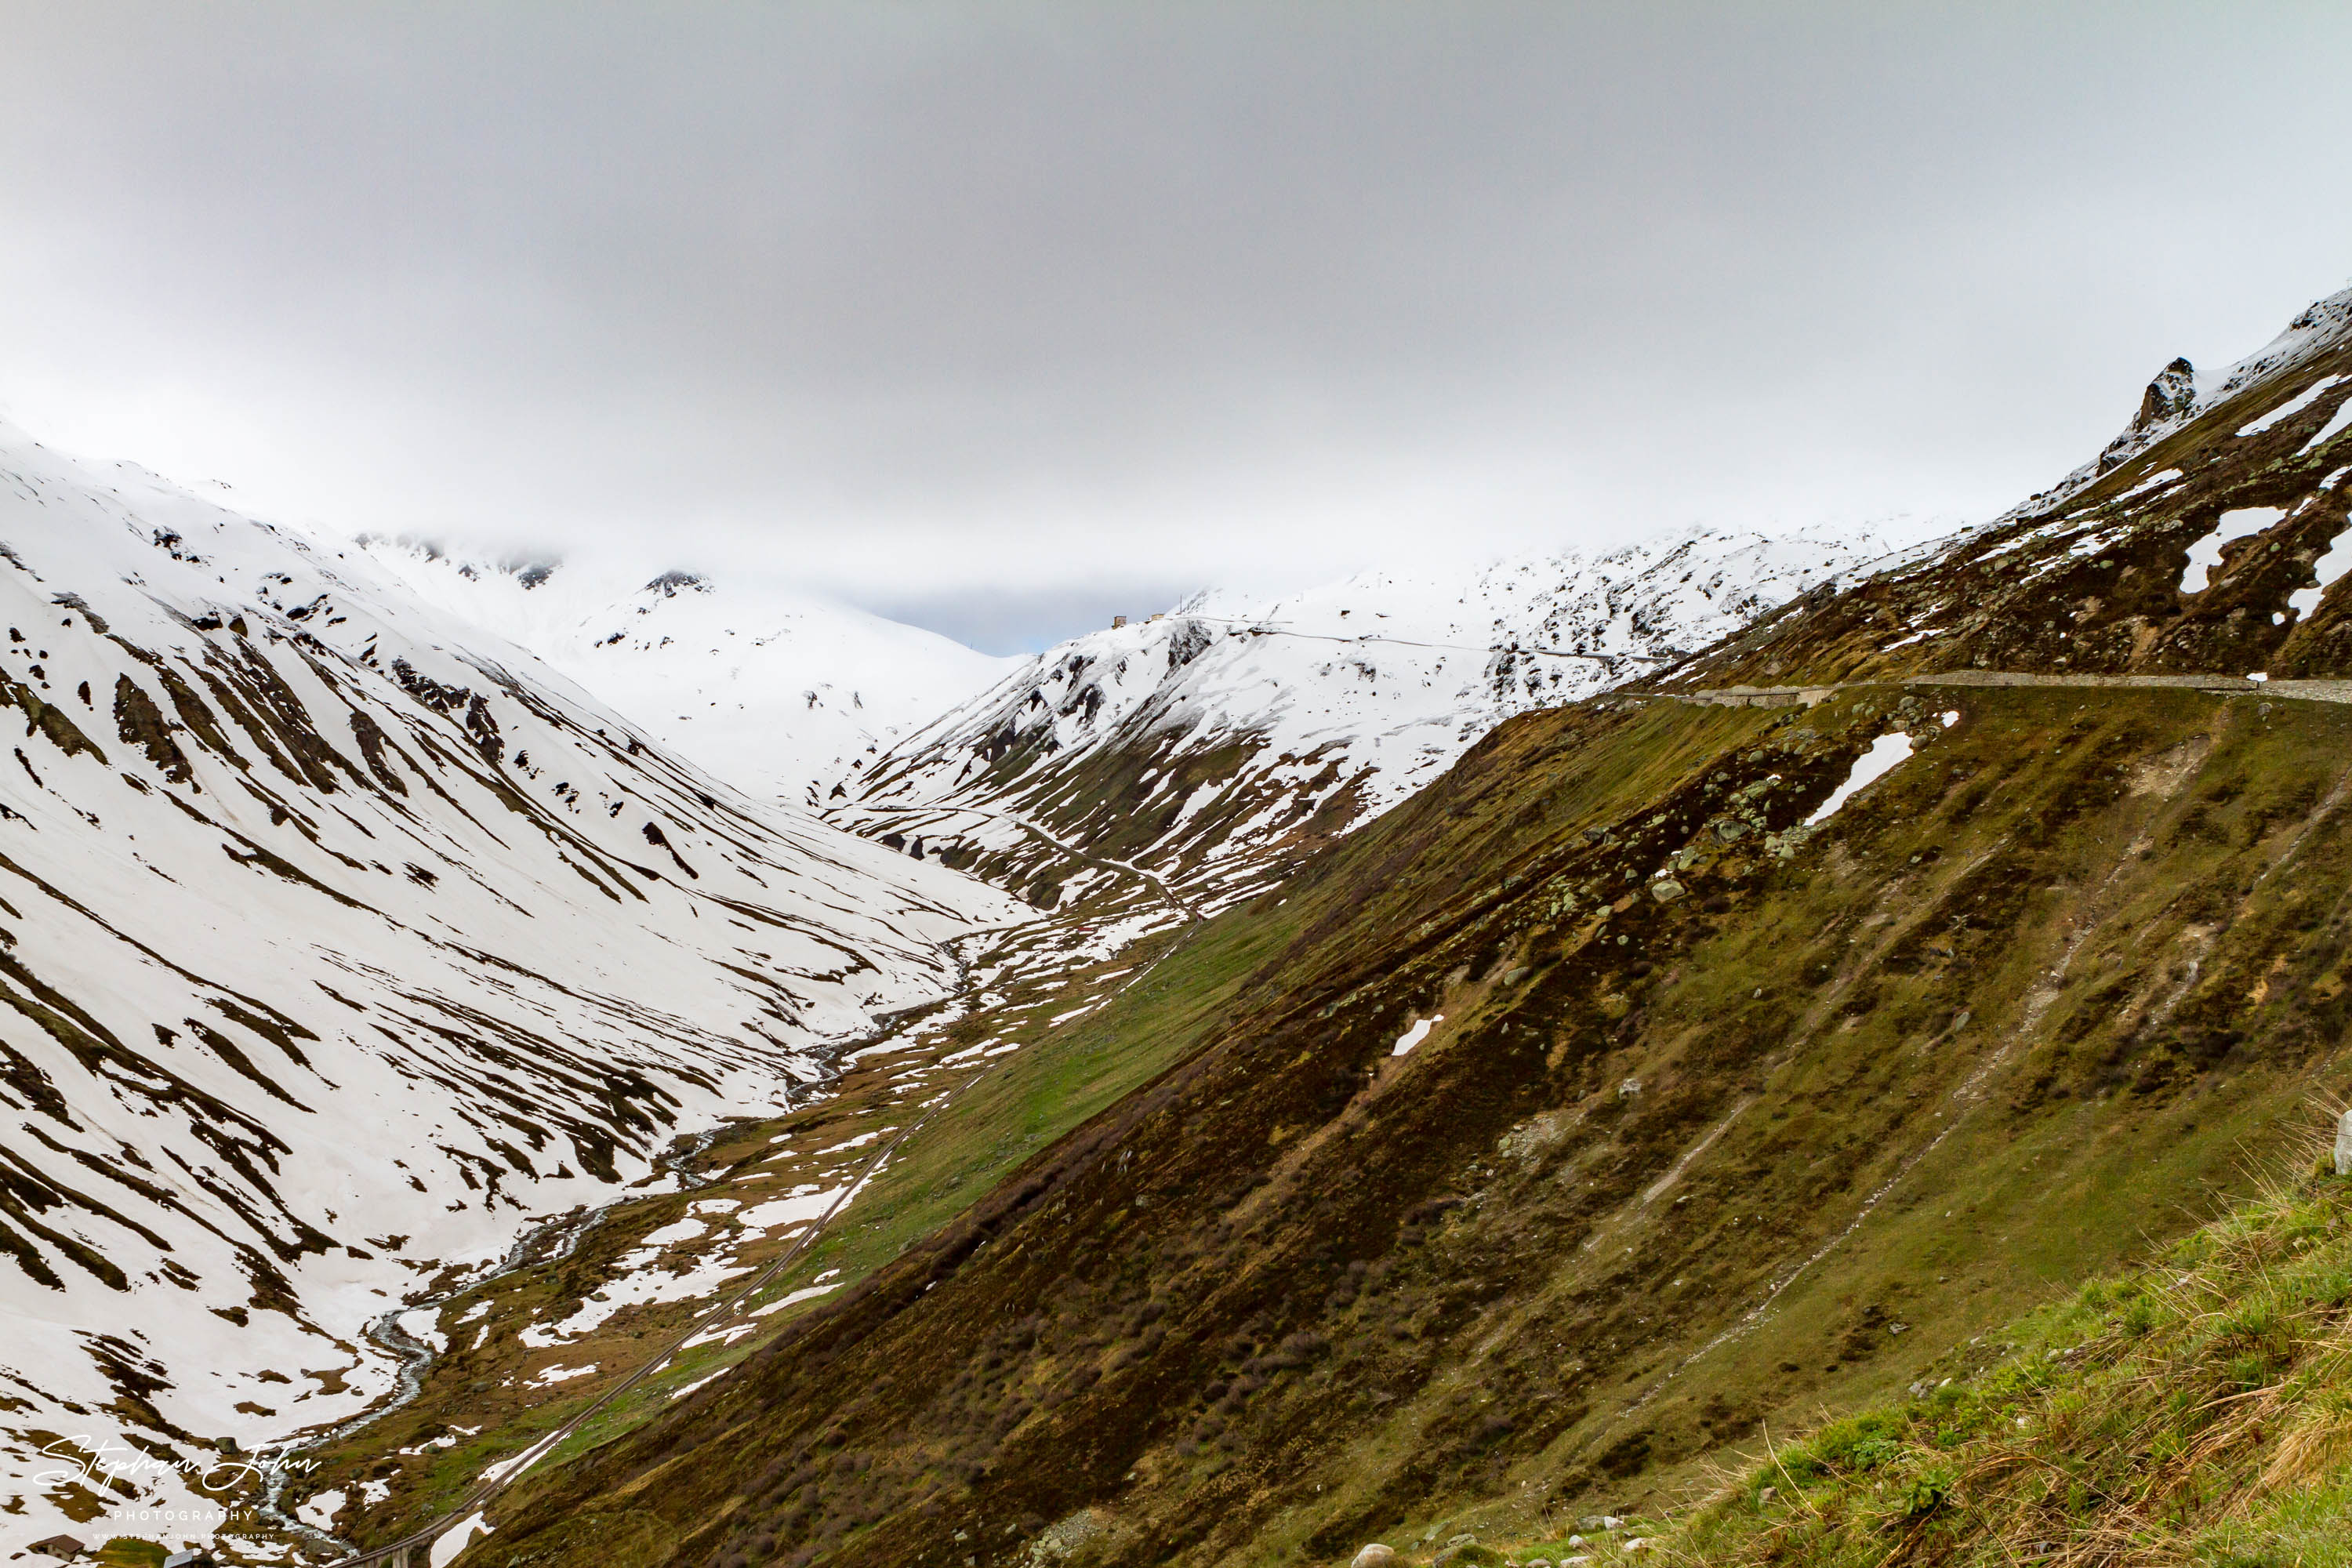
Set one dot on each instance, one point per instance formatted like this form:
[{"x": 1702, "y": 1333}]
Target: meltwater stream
[{"x": 550, "y": 1241}]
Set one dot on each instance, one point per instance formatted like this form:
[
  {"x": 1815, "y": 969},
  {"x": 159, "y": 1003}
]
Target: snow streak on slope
[
  {"x": 770, "y": 692},
  {"x": 331, "y": 953},
  {"x": 1207, "y": 744}
]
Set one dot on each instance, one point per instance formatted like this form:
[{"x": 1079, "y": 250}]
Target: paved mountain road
[{"x": 2320, "y": 690}]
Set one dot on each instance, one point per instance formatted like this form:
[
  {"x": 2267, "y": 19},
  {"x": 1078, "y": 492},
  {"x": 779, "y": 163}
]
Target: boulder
[
  {"x": 2344, "y": 1144},
  {"x": 1376, "y": 1555},
  {"x": 1065, "y": 1536}
]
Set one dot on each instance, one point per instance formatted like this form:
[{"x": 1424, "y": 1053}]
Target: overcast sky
[{"x": 1003, "y": 318}]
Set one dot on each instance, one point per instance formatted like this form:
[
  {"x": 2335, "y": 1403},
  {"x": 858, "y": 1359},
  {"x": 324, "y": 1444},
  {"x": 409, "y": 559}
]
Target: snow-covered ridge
[
  {"x": 2179, "y": 394},
  {"x": 769, "y": 690},
  {"x": 335, "y": 947},
  {"x": 1204, "y": 743}
]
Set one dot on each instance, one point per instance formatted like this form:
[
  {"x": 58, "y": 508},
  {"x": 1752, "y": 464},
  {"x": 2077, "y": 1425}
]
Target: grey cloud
[
  {"x": 1005, "y": 622},
  {"x": 952, "y": 305}
]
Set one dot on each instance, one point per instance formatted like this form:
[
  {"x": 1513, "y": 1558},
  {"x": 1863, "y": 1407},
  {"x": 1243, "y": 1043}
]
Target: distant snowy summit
[
  {"x": 1216, "y": 744},
  {"x": 772, "y": 691}
]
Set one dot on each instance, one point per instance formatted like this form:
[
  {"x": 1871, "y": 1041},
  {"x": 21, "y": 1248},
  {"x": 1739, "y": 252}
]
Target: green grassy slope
[
  {"x": 2196, "y": 1410},
  {"x": 1663, "y": 1175}
]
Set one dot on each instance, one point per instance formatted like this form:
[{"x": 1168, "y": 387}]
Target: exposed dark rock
[
  {"x": 2171, "y": 395},
  {"x": 140, "y": 723}
]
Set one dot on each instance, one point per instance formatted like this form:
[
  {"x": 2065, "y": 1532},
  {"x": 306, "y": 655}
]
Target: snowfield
[
  {"x": 334, "y": 951},
  {"x": 771, "y": 691}
]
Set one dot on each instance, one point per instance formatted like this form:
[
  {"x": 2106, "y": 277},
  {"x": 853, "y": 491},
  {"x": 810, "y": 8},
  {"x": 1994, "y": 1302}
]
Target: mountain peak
[
  {"x": 771, "y": 690},
  {"x": 1220, "y": 742},
  {"x": 2171, "y": 395}
]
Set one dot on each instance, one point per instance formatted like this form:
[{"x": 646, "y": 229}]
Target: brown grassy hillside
[{"x": 1663, "y": 1173}]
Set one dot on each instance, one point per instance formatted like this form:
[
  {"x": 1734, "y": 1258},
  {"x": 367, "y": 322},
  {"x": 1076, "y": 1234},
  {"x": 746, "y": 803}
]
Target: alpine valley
[
  {"x": 1742, "y": 1049},
  {"x": 340, "y": 949},
  {"x": 362, "y": 965}
]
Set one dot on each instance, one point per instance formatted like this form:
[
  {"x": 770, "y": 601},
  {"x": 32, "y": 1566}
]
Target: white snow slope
[
  {"x": 1208, "y": 744},
  {"x": 770, "y": 692},
  {"x": 331, "y": 955}
]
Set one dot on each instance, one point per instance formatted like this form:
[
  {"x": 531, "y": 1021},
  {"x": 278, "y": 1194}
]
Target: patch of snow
[
  {"x": 1416, "y": 1033},
  {"x": 2329, "y": 431},
  {"x": 2233, "y": 526},
  {"x": 639, "y": 1283},
  {"x": 424, "y": 1324},
  {"x": 456, "y": 1539},
  {"x": 796, "y": 1298},
  {"x": 2330, "y": 567},
  {"x": 795, "y": 1207},
  {"x": 2290, "y": 407},
  {"x": 521, "y": 1462},
  {"x": 1874, "y": 764},
  {"x": 724, "y": 1334}
]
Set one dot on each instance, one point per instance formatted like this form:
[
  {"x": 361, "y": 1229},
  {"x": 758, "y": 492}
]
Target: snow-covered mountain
[
  {"x": 334, "y": 950},
  {"x": 1212, "y": 744},
  {"x": 772, "y": 691}
]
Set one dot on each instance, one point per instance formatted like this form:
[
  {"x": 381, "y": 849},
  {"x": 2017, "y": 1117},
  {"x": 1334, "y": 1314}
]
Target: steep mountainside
[
  {"x": 2202, "y": 541},
  {"x": 1217, "y": 745},
  {"x": 2191, "y": 1410},
  {"x": 1673, "y": 1068},
  {"x": 333, "y": 955},
  {"x": 771, "y": 693}
]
